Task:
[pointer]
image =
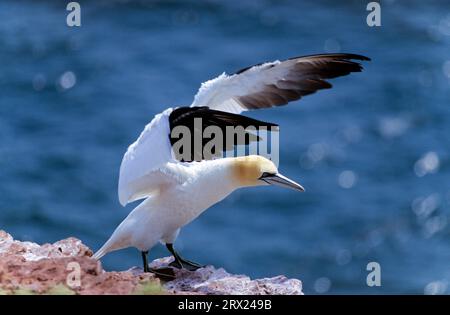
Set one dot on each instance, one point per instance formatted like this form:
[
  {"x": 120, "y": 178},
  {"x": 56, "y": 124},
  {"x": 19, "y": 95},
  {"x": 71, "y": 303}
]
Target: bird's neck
[
  {"x": 228, "y": 173},
  {"x": 220, "y": 172}
]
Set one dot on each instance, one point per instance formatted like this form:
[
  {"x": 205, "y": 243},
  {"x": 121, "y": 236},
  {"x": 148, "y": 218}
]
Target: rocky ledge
[{"x": 66, "y": 267}]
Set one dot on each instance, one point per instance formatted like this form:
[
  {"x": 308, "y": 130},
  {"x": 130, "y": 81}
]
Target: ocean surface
[{"x": 373, "y": 152}]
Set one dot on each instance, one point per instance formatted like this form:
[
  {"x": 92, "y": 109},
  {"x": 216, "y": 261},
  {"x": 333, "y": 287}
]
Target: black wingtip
[
  {"x": 347, "y": 56},
  {"x": 357, "y": 57},
  {"x": 344, "y": 56}
]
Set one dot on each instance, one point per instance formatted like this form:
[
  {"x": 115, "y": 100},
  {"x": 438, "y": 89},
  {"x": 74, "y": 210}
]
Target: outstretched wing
[
  {"x": 146, "y": 165},
  {"x": 141, "y": 171},
  {"x": 274, "y": 83}
]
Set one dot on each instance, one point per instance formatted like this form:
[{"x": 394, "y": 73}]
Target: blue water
[{"x": 373, "y": 152}]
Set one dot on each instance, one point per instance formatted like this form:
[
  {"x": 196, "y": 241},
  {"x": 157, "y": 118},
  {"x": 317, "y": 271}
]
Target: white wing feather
[
  {"x": 141, "y": 169},
  {"x": 222, "y": 92}
]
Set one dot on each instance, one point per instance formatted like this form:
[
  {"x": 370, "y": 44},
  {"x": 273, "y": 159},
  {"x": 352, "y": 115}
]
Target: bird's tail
[
  {"x": 101, "y": 252},
  {"x": 123, "y": 235},
  {"x": 111, "y": 245}
]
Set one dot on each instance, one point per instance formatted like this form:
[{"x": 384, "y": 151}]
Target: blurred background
[{"x": 373, "y": 152}]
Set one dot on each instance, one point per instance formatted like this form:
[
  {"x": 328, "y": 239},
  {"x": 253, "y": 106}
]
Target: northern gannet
[{"x": 176, "y": 192}]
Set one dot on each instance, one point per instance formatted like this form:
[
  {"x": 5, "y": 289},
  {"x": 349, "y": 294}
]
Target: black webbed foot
[{"x": 182, "y": 263}]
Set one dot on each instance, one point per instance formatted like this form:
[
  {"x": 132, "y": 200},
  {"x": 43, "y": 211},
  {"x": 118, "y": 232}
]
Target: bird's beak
[{"x": 281, "y": 180}]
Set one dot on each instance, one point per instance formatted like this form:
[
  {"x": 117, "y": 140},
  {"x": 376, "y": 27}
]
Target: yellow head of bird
[{"x": 255, "y": 170}]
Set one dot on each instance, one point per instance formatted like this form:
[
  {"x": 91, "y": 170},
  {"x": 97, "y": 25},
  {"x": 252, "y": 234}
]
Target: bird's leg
[
  {"x": 181, "y": 263},
  {"x": 163, "y": 273},
  {"x": 145, "y": 261}
]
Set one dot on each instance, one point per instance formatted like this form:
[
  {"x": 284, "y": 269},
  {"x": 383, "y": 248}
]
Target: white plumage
[
  {"x": 141, "y": 171},
  {"x": 184, "y": 193}
]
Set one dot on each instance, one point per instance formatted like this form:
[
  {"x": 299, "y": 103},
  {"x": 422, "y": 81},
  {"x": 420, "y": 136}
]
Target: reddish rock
[
  {"x": 27, "y": 267},
  {"x": 66, "y": 267}
]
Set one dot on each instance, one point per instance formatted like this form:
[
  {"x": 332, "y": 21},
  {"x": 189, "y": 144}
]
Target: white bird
[{"x": 176, "y": 192}]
